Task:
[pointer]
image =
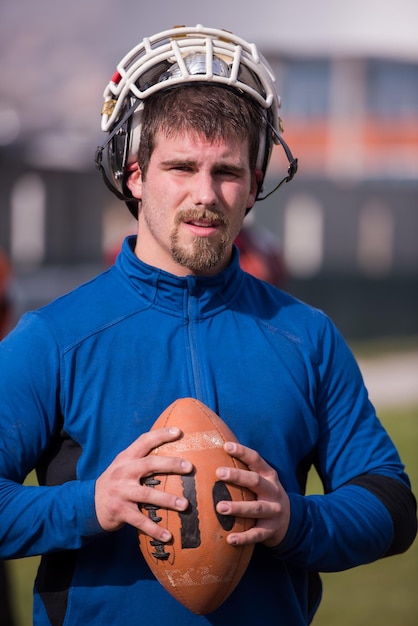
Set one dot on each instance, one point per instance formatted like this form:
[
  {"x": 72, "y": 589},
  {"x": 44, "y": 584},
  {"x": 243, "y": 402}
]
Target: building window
[
  {"x": 376, "y": 231},
  {"x": 305, "y": 85},
  {"x": 392, "y": 89},
  {"x": 28, "y": 220},
  {"x": 303, "y": 236}
]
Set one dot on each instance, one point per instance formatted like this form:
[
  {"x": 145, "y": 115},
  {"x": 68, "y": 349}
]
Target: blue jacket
[{"x": 83, "y": 377}]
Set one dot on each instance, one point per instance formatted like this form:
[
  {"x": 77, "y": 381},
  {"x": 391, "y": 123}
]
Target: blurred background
[
  {"x": 348, "y": 77},
  {"x": 345, "y": 229}
]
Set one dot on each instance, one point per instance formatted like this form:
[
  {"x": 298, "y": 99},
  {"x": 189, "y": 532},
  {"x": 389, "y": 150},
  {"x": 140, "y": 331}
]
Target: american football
[{"x": 198, "y": 567}]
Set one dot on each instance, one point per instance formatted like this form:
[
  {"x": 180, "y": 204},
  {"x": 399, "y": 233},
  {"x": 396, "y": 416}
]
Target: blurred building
[{"x": 347, "y": 223}]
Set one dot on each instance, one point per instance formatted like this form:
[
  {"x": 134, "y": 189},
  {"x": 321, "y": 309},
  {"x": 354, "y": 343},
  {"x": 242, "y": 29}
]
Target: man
[{"x": 192, "y": 114}]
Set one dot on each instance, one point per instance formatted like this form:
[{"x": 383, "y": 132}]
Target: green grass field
[{"x": 382, "y": 594}]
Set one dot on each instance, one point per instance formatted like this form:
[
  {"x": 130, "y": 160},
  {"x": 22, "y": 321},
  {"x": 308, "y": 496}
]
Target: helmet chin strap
[
  {"x": 99, "y": 152},
  {"x": 293, "y": 163}
]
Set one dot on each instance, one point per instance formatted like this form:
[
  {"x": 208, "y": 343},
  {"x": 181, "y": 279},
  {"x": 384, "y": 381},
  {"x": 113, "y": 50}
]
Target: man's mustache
[{"x": 195, "y": 214}]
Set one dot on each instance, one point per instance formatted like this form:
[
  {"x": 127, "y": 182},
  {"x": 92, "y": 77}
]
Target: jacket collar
[{"x": 175, "y": 293}]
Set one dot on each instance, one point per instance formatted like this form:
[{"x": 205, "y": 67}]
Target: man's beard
[{"x": 204, "y": 253}]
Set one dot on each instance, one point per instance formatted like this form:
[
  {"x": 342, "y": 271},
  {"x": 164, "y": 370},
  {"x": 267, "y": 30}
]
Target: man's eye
[
  {"x": 181, "y": 168},
  {"x": 226, "y": 173}
]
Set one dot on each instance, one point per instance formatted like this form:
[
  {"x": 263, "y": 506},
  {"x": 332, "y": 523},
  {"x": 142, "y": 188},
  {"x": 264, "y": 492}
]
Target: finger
[
  {"x": 152, "y": 439},
  {"x": 254, "y": 509},
  {"x": 260, "y": 485},
  {"x": 147, "y": 496},
  {"x": 143, "y": 510},
  {"x": 152, "y": 529},
  {"x": 155, "y": 464},
  {"x": 249, "y": 457},
  {"x": 257, "y": 534},
  {"x": 143, "y": 523}
]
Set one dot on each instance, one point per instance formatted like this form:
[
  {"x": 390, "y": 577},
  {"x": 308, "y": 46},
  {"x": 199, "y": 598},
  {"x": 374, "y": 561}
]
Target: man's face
[{"x": 193, "y": 202}]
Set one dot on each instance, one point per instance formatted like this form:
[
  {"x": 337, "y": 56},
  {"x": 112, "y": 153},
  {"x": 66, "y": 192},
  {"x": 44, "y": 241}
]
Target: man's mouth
[{"x": 202, "y": 222}]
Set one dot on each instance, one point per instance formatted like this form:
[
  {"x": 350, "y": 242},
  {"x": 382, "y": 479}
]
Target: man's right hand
[{"x": 119, "y": 489}]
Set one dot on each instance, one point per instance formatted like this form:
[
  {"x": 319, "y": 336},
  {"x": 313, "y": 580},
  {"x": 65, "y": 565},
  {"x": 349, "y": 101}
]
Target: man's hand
[
  {"x": 119, "y": 489},
  {"x": 271, "y": 508}
]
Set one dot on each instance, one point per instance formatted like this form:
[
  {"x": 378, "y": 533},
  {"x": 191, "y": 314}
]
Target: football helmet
[{"x": 179, "y": 56}]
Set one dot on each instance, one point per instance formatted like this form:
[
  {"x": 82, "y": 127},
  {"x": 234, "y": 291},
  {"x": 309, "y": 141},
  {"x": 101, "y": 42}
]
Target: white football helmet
[{"x": 175, "y": 57}]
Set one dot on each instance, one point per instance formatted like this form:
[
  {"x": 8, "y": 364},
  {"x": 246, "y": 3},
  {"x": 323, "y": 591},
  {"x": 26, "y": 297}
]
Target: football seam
[{"x": 160, "y": 553}]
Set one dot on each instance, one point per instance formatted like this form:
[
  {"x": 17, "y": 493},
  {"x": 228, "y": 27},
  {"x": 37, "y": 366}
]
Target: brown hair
[{"x": 213, "y": 111}]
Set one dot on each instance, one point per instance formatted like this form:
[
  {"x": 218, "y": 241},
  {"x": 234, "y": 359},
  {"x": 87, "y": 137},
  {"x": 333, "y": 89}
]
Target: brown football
[{"x": 198, "y": 567}]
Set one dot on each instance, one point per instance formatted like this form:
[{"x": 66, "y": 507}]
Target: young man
[{"x": 192, "y": 114}]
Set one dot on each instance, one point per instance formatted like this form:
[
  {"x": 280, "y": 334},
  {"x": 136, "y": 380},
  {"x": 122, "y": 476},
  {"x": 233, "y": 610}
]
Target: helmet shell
[{"x": 181, "y": 55}]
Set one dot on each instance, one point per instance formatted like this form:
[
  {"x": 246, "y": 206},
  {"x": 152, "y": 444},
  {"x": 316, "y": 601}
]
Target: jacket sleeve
[
  {"x": 35, "y": 520},
  {"x": 367, "y": 510},
  {"x": 349, "y": 527}
]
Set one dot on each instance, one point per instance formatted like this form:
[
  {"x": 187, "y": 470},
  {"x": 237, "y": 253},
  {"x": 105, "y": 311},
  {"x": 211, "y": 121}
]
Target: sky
[{"x": 57, "y": 57}]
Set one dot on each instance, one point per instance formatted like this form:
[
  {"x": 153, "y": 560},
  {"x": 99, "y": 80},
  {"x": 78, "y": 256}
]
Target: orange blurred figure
[
  {"x": 260, "y": 254},
  {"x": 5, "y": 303}
]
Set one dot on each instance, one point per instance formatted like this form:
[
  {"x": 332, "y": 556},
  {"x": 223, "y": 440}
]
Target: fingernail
[
  {"x": 165, "y": 536},
  {"x": 173, "y": 430},
  {"x": 181, "y": 503},
  {"x": 223, "y": 508},
  {"x": 221, "y": 472},
  {"x": 230, "y": 447}
]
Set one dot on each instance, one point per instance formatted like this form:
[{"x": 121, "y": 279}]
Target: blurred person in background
[
  {"x": 261, "y": 254},
  {"x": 5, "y": 294}
]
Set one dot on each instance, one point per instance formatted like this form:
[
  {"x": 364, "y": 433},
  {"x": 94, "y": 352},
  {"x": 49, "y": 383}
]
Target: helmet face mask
[{"x": 182, "y": 55}]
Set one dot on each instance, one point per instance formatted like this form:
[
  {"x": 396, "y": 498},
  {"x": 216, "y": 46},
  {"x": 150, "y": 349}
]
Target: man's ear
[
  {"x": 257, "y": 179},
  {"x": 134, "y": 180}
]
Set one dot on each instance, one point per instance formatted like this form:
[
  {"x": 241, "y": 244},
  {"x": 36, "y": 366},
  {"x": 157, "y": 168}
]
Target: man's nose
[{"x": 204, "y": 190}]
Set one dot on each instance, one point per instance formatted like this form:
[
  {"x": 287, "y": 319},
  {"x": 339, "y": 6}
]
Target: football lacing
[{"x": 152, "y": 510}]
